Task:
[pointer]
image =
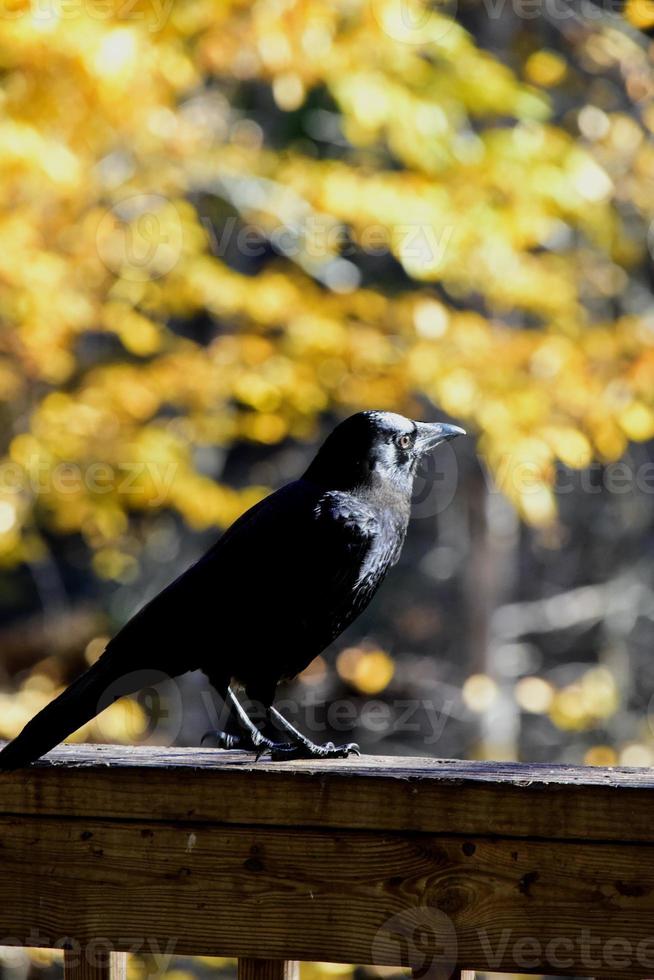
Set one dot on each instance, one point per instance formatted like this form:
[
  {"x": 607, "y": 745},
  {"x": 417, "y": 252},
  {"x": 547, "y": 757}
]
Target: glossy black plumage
[{"x": 287, "y": 577}]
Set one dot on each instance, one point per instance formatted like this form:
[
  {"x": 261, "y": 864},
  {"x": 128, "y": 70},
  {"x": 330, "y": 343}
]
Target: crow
[{"x": 279, "y": 585}]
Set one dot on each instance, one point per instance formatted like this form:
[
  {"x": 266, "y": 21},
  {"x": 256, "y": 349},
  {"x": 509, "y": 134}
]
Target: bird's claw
[
  {"x": 326, "y": 751},
  {"x": 224, "y": 739},
  {"x": 244, "y": 742},
  {"x": 281, "y": 751}
]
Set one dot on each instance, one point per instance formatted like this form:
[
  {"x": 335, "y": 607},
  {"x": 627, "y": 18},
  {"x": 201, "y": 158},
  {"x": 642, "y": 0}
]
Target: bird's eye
[{"x": 404, "y": 442}]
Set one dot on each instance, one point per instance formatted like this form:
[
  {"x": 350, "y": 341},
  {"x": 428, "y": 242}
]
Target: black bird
[{"x": 282, "y": 582}]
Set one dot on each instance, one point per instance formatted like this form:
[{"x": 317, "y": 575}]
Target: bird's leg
[
  {"x": 229, "y": 733},
  {"x": 303, "y": 747},
  {"x": 250, "y": 738}
]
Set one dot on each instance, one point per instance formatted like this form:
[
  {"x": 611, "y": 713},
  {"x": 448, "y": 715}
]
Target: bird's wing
[
  {"x": 320, "y": 591},
  {"x": 300, "y": 541},
  {"x": 286, "y": 567}
]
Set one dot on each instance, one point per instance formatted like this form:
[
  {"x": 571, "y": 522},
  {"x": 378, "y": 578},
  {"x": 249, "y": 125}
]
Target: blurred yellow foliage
[
  {"x": 369, "y": 671},
  {"x": 479, "y": 692},
  {"x": 534, "y": 694},
  {"x": 586, "y": 702},
  {"x": 123, "y": 721},
  {"x": 601, "y": 755},
  {"x": 117, "y": 118}
]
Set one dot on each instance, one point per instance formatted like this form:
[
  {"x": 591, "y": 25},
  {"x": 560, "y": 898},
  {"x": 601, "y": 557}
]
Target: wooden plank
[
  {"x": 346, "y": 896},
  {"x": 94, "y": 962},
  {"x": 367, "y": 793},
  {"x": 256, "y": 969}
]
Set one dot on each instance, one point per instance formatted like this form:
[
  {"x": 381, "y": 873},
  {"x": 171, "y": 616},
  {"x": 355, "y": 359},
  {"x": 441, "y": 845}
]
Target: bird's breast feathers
[{"x": 370, "y": 538}]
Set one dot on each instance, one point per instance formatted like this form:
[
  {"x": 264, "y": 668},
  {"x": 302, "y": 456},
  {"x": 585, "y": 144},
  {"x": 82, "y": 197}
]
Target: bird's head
[{"x": 377, "y": 447}]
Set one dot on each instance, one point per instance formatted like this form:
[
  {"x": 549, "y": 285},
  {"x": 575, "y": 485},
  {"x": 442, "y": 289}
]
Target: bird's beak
[{"x": 432, "y": 434}]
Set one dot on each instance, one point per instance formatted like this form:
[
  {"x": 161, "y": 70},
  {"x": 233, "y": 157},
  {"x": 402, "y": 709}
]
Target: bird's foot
[
  {"x": 302, "y": 750},
  {"x": 246, "y": 742},
  {"x": 223, "y": 739}
]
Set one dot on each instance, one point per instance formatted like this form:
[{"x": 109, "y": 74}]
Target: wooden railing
[{"x": 440, "y": 866}]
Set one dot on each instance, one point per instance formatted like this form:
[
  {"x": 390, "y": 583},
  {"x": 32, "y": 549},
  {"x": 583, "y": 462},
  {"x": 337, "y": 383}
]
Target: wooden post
[
  {"x": 446, "y": 974},
  {"x": 254, "y": 969},
  {"x": 90, "y": 963}
]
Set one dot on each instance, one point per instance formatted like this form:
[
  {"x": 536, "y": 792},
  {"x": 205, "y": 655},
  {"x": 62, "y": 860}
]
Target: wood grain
[
  {"x": 366, "y": 793},
  {"x": 356, "y": 897},
  {"x": 441, "y": 866}
]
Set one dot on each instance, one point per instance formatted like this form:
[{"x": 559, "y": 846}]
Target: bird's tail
[{"x": 86, "y": 697}]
